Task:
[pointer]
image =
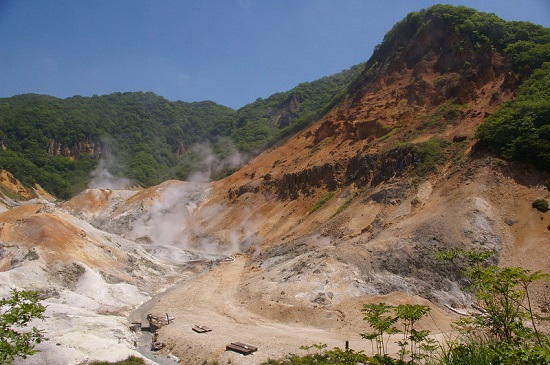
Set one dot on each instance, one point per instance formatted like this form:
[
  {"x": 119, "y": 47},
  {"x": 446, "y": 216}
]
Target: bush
[
  {"x": 520, "y": 129},
  {"x": 16, "y": 311},
  {"x": 431, "y": 154},
  {"x": 505, "y": 331},
  {"x": 330, "y": 357},
  {"x": 132, "y": 360},
  {"x": 322, "y": 201},
  {"x": 541, "y": 205}
]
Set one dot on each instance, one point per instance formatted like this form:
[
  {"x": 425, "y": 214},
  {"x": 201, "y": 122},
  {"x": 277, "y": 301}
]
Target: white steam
[
  {"x": 165, "y": 222},
  {"x": 102, "y": 178},
  {"x": 105, "y": 175},
  {"x": 211, "y": 163},
  {"x": 177, "y": 218}
]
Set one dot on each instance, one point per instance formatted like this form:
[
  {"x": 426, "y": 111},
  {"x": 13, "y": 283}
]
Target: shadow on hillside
[{"x": 522, "y": 173}]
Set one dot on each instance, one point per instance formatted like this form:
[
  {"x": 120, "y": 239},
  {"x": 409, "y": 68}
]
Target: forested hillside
[
  {"x": 520, "y": 130},
  {"x": 280, "y": 115},
  {"x": 58, "y": 142}
]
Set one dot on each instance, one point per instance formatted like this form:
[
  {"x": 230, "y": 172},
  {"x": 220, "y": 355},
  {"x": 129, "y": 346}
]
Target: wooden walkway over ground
[{"x": 241, "y": 348}]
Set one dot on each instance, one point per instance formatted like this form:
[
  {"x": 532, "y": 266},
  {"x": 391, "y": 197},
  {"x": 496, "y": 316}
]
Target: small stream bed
[
  {"x": 144, "y": 347},
  {"x": 145, "y": 338}
]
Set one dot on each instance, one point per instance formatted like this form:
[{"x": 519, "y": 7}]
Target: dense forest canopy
[
  {"x": 59, "y": 142},
  {"x": 520, "y": 129}
]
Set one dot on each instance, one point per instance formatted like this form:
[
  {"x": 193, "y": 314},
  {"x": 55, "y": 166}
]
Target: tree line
[{"x": 151, "y": 136}]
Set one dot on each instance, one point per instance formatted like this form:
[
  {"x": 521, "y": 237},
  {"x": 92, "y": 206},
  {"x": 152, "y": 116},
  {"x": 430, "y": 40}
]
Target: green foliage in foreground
[
  {"x": 495, "y": 353},
  {"x": 16, "y": 311},
  {"x": 505, "y": 329},
  {"x": 132, "y": 360},
  {"x": 414, "y": 346},
  {"x": 329, "y": 357}
]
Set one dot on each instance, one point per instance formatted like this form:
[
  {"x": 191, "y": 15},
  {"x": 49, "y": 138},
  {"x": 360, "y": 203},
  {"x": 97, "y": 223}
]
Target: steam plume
[
  {"x": 176, "y": 217},
  {"x": 105, "y": 174},
  {"x": 212, "y": 163}
]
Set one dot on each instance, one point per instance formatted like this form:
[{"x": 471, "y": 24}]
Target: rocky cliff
[{"x": 87, "y": 146}]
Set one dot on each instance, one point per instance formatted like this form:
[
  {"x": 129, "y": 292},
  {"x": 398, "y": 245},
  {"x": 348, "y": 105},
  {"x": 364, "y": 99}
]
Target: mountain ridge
[{"x": 58, "y": 142}]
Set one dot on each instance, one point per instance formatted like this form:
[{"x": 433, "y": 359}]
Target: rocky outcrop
[
  {"x": 86, "y": 146},
  {"x": 12, "y": 188},
  {"x": 178, "y": 149},
  {"x": 304, "y": 182},
  {"x": 374, "y": 169},
  {"x": 438, "y": 47},
  {"x": 366, "y": 170},
  {"x": 3, "y": 143},
  {"x": 288, "y": 111}
]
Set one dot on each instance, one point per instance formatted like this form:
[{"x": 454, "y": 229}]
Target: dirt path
[{"x": 211, "y": 300}]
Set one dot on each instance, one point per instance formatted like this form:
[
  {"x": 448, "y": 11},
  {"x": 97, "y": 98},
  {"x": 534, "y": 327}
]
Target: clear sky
[{"x": 228, "y": 51}]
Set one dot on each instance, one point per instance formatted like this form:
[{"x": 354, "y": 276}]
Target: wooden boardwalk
[
  {"x": 201, "y": 329},
  {"x": 241, "y": 348}
]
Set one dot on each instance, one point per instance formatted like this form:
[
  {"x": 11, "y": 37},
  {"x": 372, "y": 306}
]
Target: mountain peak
[{"x": 456, "y": 44}]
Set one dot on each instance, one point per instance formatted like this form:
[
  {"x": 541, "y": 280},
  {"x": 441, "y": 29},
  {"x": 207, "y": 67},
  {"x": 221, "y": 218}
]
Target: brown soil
[{"x": 214, "y": 300}]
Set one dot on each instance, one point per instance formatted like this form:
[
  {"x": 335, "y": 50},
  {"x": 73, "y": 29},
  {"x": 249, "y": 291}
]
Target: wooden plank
[
  {"x": 201, "y": 329},
  {"x": 253, "y": 348},
  {"x": 241, "y": 348}
]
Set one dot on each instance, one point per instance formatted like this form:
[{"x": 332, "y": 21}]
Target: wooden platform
[
  {"x": 241, "y": 348},
  {"x": 201, "y": 329}
]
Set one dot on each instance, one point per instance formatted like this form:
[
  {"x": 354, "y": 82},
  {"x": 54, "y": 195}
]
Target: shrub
[
  {"x": 16, "y": 311},
  {"x": 383, "y": 319},
  {"x": 322, "y": 201},
  {"x": 505, "y": 331},
  {"x": 330, "y": 357},
  {"x": 132, "y": 360},
  {"x": 431, "y": 153},
  {"x": 541, "y": 205},
  {"x": 520, "y": 129}
]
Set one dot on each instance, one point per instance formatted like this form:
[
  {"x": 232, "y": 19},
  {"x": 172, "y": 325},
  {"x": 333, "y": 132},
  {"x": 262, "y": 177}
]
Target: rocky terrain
[
  {"x": 89, "y": 279},
  {"x": 277, "y": 295},
  {"x": 285, "y": 251}
]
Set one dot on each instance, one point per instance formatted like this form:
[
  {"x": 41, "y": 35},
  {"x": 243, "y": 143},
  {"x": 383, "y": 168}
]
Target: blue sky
[{"x": 228, "y": 51}]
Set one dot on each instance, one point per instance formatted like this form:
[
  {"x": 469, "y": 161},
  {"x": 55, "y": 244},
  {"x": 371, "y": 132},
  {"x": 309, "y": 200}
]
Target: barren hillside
[{"x": 341, "y": 214}]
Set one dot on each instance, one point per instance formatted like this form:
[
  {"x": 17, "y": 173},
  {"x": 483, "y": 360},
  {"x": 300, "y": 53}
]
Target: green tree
[
  {"x": 520, "y": 129},
  {"x": 16, "y": 311},
  {"x": 380, "y": 318},
  {"x": 505, "y": 330},
  {"x": 409, "y": 314}
]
